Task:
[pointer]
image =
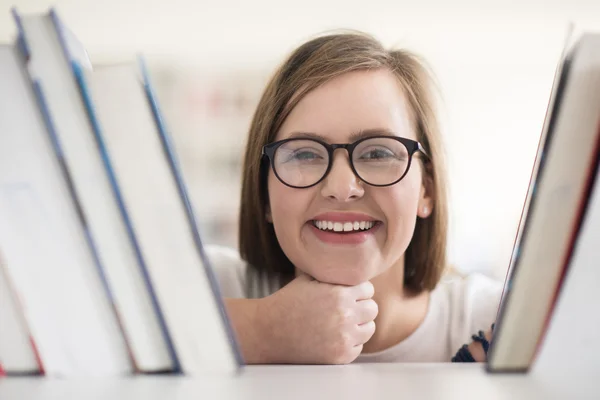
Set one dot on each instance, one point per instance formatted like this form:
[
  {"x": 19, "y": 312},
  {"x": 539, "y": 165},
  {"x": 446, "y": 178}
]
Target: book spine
[
  {"x": 108, "y": 166},
  {"x": 73, "y": 190},
  {"x": 175, "y": 170},
  {"x": 63, "y": 166},
  {"x": 22, "y": 42}
]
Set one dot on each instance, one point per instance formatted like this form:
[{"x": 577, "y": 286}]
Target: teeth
[{"x": 344, "y": 226}]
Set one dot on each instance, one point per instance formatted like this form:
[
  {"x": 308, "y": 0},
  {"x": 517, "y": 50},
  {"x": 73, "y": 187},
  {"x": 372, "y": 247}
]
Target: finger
[
  {"x": 348, "y": 356},
  {"x": 365, "y": 332},
  {"x": 366, "y": 311},
  {"x": 353, "y": 354},
  {"x": 364, "y": 291}
]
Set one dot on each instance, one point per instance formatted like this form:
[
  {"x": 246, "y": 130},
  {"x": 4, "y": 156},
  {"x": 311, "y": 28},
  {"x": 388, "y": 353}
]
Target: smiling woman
[
  {"x": 343, "y": 222},
  {"x": 354, "y": 101}
]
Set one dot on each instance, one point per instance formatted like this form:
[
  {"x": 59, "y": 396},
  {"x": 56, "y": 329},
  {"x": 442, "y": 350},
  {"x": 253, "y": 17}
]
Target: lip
[{"x": 343, "y": 217}]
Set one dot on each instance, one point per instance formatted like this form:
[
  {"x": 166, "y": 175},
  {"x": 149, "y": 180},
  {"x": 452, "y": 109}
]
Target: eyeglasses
[{"x": 377, "y": 160}]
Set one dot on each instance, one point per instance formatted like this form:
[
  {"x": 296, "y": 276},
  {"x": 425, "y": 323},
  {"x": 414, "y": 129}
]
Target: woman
[{"x": 343, "y": 223}]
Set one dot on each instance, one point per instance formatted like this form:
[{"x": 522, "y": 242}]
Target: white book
[
  {"x": 551, "y": 224},
  {"x": 55, "y": 59},
  {"x": 17, "y": 351},
  {"x": 44, "y": 244},
  {"x": 155, "y": 197},
  {"x": 571, "y": 347}
]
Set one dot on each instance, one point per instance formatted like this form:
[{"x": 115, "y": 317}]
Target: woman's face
[{"x": 354, "y": 103}]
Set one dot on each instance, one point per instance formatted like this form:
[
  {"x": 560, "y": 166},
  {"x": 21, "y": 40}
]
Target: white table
[{"x": 356, "y": 381}]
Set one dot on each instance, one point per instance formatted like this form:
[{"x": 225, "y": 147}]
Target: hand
[
  {"x": 310, "y": 322},
  {"x": 476, "y": 349}
]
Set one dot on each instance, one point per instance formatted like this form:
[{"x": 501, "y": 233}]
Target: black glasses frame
[{"x": 411, "y": 145}]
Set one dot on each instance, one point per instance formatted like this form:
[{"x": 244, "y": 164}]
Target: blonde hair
[{"x": 309, "y": 66}]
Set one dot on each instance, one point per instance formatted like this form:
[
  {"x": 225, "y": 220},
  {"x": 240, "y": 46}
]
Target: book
[
  {"x": 154, "y": 193},
  {"x": 55, "y": 58},
  {"x": 18, "y": 353},
  {"x": 559, "y": 194},
  {"x": 44, "y": 243},
  {"x": 570, "y": 345},
  {"x": 556, "y": 84}
]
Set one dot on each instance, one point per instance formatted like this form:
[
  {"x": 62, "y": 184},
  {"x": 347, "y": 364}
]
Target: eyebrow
[{"x": 353, "y": 137}]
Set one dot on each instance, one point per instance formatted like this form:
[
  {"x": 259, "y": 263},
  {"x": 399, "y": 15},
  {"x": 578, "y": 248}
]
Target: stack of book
[{"x": 102, "y": 268}]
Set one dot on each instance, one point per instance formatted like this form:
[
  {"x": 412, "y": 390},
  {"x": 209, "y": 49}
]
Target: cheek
[
  {"x": 400, "y": 200},
  {"x": 279, "y": 199},
  {"x": 288, "y": 207},
  {"x": 399, "y": 205}
]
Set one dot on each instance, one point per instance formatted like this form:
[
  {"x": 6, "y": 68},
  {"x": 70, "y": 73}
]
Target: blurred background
[{"x": 494, "y": 62}]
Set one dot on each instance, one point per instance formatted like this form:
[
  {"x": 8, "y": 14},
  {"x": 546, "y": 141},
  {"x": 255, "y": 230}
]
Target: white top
[{"x": 458, "y": 308}]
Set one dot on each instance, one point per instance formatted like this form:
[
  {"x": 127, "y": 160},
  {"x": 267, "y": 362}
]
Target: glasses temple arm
[{"x": 422, "y": 150}]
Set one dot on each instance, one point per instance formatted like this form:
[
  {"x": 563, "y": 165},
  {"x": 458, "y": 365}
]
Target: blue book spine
[
  {"x": 175, "y": 170},
  {"x": 59, "y": 153},
  {"x": 22, "y": 43},
  {"x": 87, "y": 99},
  {"x": 51, "y": 129}
]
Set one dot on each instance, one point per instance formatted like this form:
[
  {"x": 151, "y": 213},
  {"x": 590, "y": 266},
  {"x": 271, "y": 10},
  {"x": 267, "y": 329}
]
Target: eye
[
  {"x": 377, "y": 153},
  {"x": 306, "y": 155},
  {"x": 302, "y": 155}
]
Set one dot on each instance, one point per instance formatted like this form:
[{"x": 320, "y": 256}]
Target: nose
[{"x": 341, "y": 184}]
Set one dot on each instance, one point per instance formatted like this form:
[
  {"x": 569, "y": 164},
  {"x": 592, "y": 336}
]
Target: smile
[{"x": 349, "y": 226}]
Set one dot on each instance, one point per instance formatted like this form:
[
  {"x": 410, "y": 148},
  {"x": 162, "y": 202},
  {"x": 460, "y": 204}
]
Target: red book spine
[{"x": 37, "y": 355}]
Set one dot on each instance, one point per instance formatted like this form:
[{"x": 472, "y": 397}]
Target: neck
[{"x": 401, "y": 311}]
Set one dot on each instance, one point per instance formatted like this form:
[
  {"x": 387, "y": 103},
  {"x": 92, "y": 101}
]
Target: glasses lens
[
  {"x": 301, "y": 162},
  {"x": 380, "y": 161}
]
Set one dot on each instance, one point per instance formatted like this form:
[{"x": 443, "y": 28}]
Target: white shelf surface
[{"x": 355, "y": 381}]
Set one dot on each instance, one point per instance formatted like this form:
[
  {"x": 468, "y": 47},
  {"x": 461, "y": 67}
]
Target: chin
[{"x": 344, "y": 274}]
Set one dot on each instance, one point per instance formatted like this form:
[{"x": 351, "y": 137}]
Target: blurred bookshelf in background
[{"x": 208, "y": 114}]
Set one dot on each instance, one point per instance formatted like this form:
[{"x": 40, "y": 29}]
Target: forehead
[{"x": 351, "y": 103}]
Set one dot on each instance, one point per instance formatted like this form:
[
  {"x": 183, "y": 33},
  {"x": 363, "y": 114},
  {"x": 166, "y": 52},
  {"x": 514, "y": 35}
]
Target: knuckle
[
  {"x": 349, "y": 355},
  {"x": 342, "y": 349},
  {"x": 346, "y": 316},
  {"x": 340, "y": 306},
  {"x": 340, "y": 295},
  {"x": 337, "y": 354},
  {"x": 346, "y": 341}
]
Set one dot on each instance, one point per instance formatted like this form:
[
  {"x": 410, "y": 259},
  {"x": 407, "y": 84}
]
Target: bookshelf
[{"x": 210, "y": 145}]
